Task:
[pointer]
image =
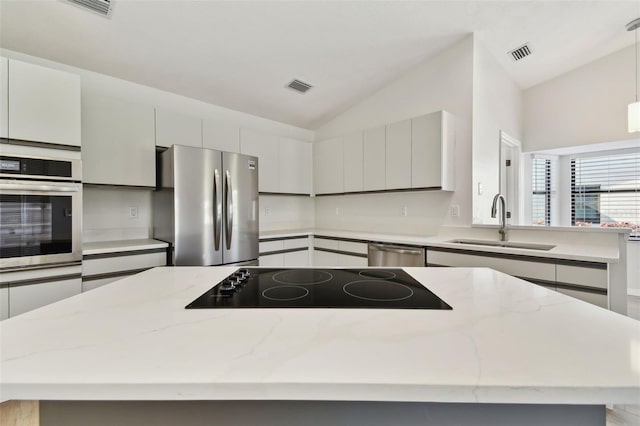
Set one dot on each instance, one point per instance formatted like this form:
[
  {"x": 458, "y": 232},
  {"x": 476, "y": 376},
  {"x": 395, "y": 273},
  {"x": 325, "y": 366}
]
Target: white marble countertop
[
  {"x": 505, "y": 341},
  {"x": 574, "y": 249},
  {"x": 100, "y": 247}
]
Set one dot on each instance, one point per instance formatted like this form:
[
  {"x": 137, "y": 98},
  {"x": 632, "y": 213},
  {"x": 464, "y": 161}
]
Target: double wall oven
[{"x": 40, "y": 212}]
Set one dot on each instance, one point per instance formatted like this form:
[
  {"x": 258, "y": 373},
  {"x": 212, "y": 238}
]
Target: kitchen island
[{"x": 509, "y": 352}]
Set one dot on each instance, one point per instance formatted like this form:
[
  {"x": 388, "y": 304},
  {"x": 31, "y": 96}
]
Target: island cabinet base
[{"x": 314, "y": 413}]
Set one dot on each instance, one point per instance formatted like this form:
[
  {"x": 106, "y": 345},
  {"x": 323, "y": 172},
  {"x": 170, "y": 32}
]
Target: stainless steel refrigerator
[{"x": 206, "y": 206}]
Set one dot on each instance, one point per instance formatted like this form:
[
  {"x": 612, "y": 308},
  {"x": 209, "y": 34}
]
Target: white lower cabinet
[
  {"x": 324, "y": 258},
  {"x": 593, "y": 298},
  {"x": 583, "y": 280},
  {"x": 286, "y": 252},
  {"x": 275, "y": 260},
  {"x": 352, "y": 261},
  {"x": 102, "y": 269},
  {"x": 4, "y": 303},
  {"x": 22, "y": 291},
  {"x": 27, "y": 297}
]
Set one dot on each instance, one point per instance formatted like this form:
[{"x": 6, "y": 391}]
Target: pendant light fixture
[{"x": 634, "y": 108}]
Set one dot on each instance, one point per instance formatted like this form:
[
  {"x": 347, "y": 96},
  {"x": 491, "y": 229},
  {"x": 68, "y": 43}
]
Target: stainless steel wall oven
[{"x": 40, "y": 211}]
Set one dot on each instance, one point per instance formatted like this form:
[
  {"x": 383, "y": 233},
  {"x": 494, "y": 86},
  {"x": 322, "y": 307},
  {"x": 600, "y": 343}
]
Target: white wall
[
  {"x": 584, "y": 106},
  {"x": 444, "y": 82},
  {"x": 497, "y": 105}
]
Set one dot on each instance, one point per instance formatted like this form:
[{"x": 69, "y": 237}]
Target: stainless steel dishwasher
[{"x": 395, "y": 255}]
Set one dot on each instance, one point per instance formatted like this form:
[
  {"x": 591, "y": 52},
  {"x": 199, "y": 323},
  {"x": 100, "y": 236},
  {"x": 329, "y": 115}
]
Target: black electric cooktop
[{"x": 319, "y": 288}]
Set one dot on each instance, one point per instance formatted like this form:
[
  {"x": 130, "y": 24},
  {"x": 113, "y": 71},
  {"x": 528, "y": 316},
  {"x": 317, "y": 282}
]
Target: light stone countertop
[
  {"x": 101, "y": 247},
  {"x": 505, "y": 341},
  {"x": 564, "y": 249}
]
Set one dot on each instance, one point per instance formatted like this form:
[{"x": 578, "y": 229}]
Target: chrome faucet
[{"x": 503, "y": 215}]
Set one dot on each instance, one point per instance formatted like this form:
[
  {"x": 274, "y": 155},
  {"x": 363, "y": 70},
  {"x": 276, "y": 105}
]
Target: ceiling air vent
[
  {"x": 299, "y": 86},
  {"x": 99, "y": 6},
  {"x": 520, "y": 53}
]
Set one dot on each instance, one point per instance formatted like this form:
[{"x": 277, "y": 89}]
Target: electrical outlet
[
  {"x": 133, "y": 212},
  {"x": 403, "y": 211},
  {"x": 267, "y": 211},
  {"x": 337, "y": 211},
  {"x": 480, "y": 188},
  {"x": 455, "y": 210}
]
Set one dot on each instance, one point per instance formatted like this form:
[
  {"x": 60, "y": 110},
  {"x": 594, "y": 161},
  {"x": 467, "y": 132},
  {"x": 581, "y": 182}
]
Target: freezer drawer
[{"x": 395, "y": 255}]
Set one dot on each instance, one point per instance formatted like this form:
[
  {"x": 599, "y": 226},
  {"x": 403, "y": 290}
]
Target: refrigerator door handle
[
  {"x": 229, "y": 206},
  {"x": 217, "y": 209}
]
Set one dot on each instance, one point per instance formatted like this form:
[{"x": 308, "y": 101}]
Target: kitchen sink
[{"x": 506, "y": 244}]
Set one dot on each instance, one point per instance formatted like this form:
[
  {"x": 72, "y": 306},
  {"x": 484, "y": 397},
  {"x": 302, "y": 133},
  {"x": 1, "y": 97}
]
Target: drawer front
[
  {"x": 589, "y": 277},
  {"x": 268, "y": 246},
  {"x": 352, "y": 261},
  {"x": 518, "y": 268},
  {"x": 328, "y": 244},
  {"x": 23, "y": 298},
  {"x": 90, "y": 285},
  {"x": 296, "y": 243},
  {"x": 593, "y": 298},
  {"x": 123, "y": 263},
  {"x": 296, "y": 258},
  {"x": 272, "y": 260},
  {"x": 353, "y": 247}
]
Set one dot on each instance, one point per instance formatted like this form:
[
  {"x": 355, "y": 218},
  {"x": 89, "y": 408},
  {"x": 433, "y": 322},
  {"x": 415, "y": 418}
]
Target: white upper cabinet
[
  {"x": 44, "y": 104},
  {"x": 352, "y": 155},
  {"x": 265, "y": 147},
  {"x": 374, "y": 159},
  {"x": 398, "y": 155},
  {"x": 118, "y": 142},
  {"x": 179, "y": 129},
  {"x": 294, "y": 159},
  {"x": 433, "y": 151},
  {"x": 328, "y": 166},
  {"x": 221, "y": 136},
  {"x": 4, "y": 97}
]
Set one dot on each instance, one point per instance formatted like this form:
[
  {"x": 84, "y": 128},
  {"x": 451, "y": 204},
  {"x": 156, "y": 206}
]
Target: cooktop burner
[{"x": 319, "y": 288}]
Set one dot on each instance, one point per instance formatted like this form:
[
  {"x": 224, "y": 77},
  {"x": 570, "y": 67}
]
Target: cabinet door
[
  {"x": 4, "y": 97},
  {"x": 220, "y": 136},
  {"x": 352, "y": 261},
  {"x": 398, "y": 155},
  {"x": 374, "y": 159},
  {"x": 593, "y": 298},
  {"x": 426, "y": 151},
  {"x": 324, "y": 258},
  {"x": 272, "y": 260},
  {"x": 44, "y": 104},
  {"x": 352, "y": 157},
  {"x": 296, "y": 258},
  {"x": 4, "y": 303},
  {"x": 179, "y": 129},
  {"x": 295, "y": 166},
  {"x": 25, "y": 298},
  {"x": 328, "y": 166},
  {"x": 119, "y": 142},
  {"x": 265, "y": 147}
]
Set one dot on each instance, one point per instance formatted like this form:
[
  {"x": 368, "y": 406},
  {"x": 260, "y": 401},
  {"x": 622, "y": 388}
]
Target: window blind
[
  {"x": 541, "y": 191},
  {"x": 605, "y": 191}
]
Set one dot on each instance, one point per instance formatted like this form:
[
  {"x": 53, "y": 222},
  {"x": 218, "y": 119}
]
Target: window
[
  {"x": 541, "y": 191},
  {"x": 605, "y": 191}
]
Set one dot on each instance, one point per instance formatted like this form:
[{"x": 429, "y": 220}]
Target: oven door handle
[{"x": 38, "y": 187}]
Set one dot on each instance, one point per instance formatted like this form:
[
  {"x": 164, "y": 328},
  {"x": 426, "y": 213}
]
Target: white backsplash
[
  {"x": 106, "y": 214},
  {"x": 284, "y": 212},
  {"x": 408, "y": 213}
]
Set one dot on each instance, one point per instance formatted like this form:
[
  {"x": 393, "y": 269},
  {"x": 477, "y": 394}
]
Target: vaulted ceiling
[{"x": 241, "y": 55}]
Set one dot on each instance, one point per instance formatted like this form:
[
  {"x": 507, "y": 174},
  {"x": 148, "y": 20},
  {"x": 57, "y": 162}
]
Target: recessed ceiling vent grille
[
  {"x": 299, "y": 86},
  {"x": 520, "y": 53},
  {"x": 99, "y": 6}
]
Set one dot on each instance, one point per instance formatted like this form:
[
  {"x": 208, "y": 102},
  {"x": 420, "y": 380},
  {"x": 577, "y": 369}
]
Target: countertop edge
[{"x": 100, "y": 247}]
